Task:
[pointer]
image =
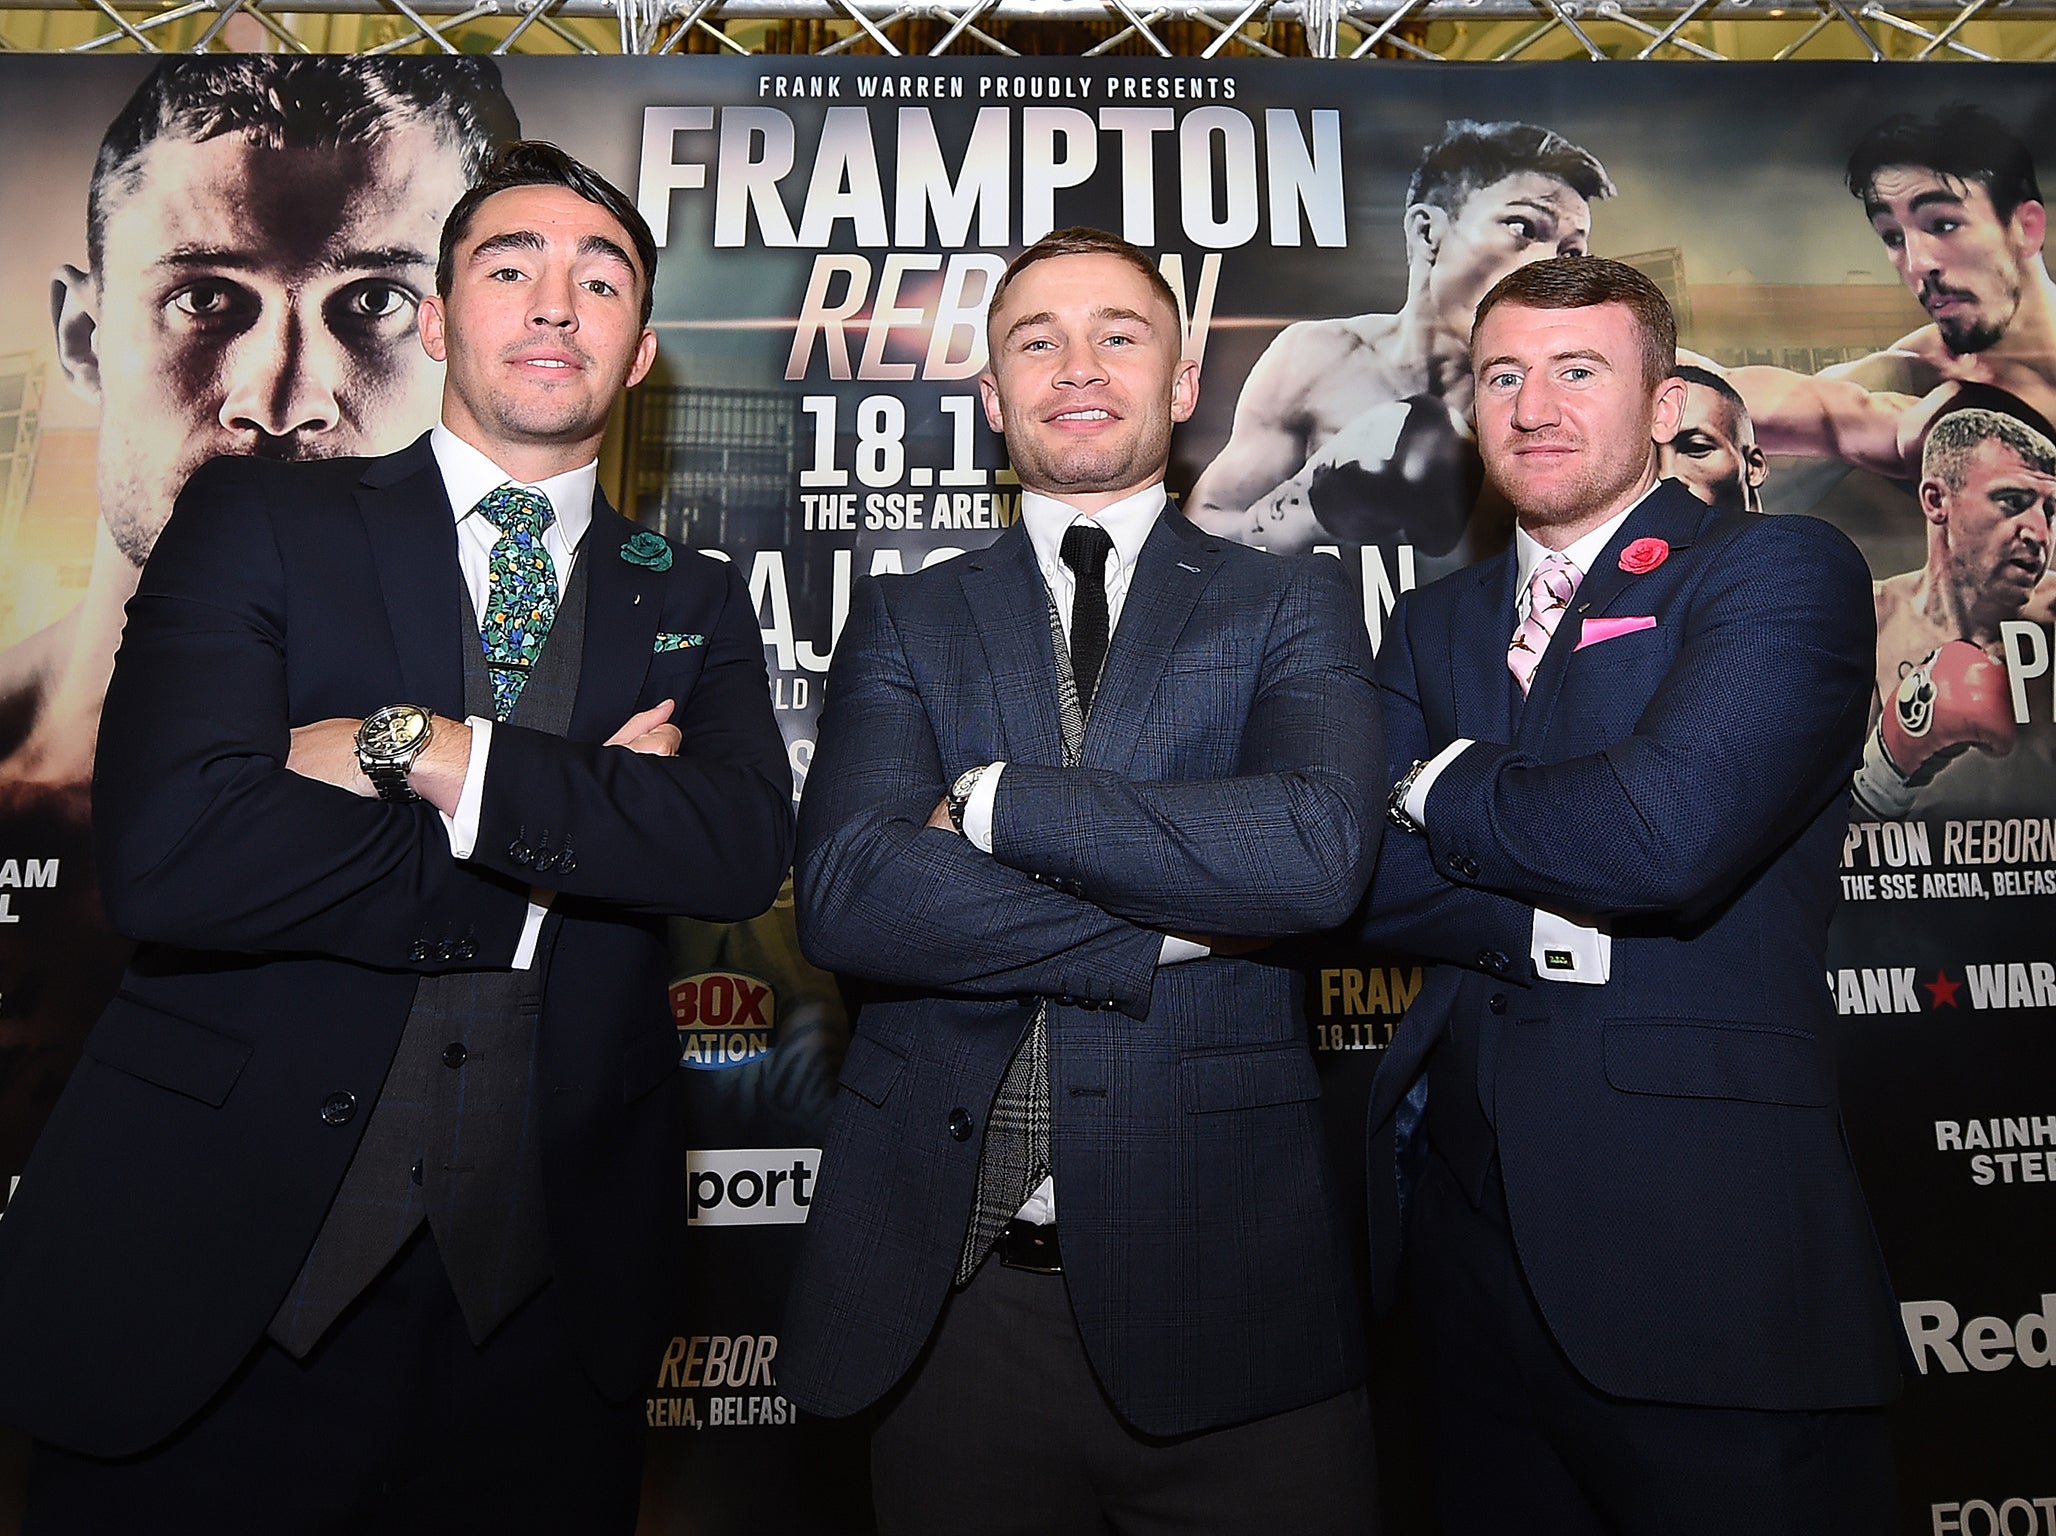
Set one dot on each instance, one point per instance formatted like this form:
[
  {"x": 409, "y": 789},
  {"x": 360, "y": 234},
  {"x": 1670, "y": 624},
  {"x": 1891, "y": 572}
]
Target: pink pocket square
[{"x": 1596, "y": 630}]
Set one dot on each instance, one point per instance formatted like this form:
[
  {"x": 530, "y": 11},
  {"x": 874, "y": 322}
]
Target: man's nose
[
  {"x": 1534, "y": 403},
  {"x": 1923, "y": 253},
  {"x": 1080, "y": 365},
  {"x": 284, "y": 377},
  {"x": 552, "y": 302}
]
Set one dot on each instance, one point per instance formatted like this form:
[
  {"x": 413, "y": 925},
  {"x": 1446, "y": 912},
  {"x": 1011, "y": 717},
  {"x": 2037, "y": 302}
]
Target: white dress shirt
[
  {"x": 1555, "y": 938},
  {"x": 469, "y": 476}
]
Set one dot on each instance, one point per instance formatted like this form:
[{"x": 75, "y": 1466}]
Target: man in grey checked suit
[{"x": 1074, "y": 1244}]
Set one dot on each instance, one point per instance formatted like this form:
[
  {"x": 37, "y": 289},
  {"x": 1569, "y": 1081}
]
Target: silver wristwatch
[
  {"x": 960, "y": 794},
  {"x": 1395, "y": 808},
  {"x": 387, "y": 744}
]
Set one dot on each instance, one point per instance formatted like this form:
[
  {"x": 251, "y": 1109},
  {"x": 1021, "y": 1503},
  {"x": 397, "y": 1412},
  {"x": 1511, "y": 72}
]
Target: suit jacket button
[
  {"x": 445, "y": 951},
  {"x": 1064, "y": 1000},
  {"x": 545, "y": 862},
  {"x": 414, "y": 1173},
  {"x": 1492, "y": 960},
  {"x": 339, "y": 1108},
  {"x": 566, "y": 863},
  {"x": 418, "y": 950},
  {"x": 466, "y": 949},
  {"x": 960, "y": 1124},
  {"x": 519, "y": 851},
  {"x": 1496, "y": 1002},
  {"x": 454, "y": 1054}
]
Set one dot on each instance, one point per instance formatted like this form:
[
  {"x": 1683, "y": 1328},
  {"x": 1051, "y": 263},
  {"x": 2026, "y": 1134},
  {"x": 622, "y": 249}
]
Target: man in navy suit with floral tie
[
  {"x": 362, "y": 1210},
  {"x": 1608, "y": 1125}
]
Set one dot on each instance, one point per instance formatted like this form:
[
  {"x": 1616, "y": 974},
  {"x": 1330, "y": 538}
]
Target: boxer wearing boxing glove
[
  {"x": 1951, "y": 700},
  {"x": 1987, "y": 490}
]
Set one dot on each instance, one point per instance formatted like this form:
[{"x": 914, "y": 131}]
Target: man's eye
[
  {"x": 1525, "y": 230},
  {"x": 1893, "y": 238},
  {"x": 213, "y": 305},
  {"x": 376, "y": 300},
  {"x": 507, "y": 274},
  {"x": 1503, "y": 381},
  {"x": 601, "y": 286},
  {"x": 1577, "y": 375}
]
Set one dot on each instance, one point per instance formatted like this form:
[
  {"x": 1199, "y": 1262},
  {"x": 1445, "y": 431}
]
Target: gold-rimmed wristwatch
[{"x": 387, "y": 743}]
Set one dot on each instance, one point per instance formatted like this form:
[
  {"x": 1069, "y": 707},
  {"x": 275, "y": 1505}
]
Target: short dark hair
[
  {"x": 1579, "y": 282},
  {"x": 1692, "y": 373},
  {"x": 1959, "y": 141},
  {"x": 1471, "y": 155},
  {"x": 317, "y": 102},
  {"x": 1082, "y": 240},
  {"x": 1945, "y": 456},
  {"x": 534, "y": 163}
]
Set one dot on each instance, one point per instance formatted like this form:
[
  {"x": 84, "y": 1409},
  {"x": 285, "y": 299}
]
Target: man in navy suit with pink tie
[{"x": 1608, "y": 1126}]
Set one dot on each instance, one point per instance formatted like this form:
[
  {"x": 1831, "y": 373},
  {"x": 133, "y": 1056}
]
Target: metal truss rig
[{"x": 1334, "y": 29}]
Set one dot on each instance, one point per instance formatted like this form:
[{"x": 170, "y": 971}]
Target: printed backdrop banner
[{"x": 243, "y": 275}]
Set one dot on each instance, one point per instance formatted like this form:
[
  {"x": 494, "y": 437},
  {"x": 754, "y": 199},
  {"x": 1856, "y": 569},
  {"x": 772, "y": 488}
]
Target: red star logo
[{"x": 1942, "y": 990}]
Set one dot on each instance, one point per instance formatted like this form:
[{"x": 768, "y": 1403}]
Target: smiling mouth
[{"x": 1090, "y": 413}]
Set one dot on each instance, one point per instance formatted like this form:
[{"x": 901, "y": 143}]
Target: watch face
[
  {"x": 966, "y": 782},
  {"x": 394, "y": 730}
]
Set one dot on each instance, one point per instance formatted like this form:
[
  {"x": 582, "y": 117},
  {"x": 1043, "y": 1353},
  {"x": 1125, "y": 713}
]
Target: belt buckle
[{"x": 1029, "y": 1246}]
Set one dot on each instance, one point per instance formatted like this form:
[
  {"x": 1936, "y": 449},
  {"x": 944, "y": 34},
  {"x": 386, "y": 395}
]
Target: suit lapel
[
  {"x": 624, "y": 603},
  {"x": 1479, "y": 683},
  {"x": 1176, "y": 563},
  {"x": 413, "y": 535},
  {"x": 1009, "y": 606},
  {"x": 1670, "y": 513}
]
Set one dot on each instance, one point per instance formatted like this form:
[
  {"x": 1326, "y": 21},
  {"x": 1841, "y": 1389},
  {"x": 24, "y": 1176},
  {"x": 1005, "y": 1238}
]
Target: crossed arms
[{"x": 1089, "y": 868}]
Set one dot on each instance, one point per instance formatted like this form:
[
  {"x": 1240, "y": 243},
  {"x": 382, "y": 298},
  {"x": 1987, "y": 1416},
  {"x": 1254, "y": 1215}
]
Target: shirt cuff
[
  {"x": 463, "y": 827},
  {"x": 978, "y": 808},
  {"x": 1416, "y": 802},
  {"x": 1564, "y": 950},
  {"x": 1176, "y": 950}
]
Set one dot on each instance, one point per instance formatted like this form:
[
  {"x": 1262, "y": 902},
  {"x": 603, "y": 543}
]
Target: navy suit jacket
[
  {"x": 1228, "y": 786},
  {"x": 1681, "y": 1193},
  {"x": 190, "y": 1162}
]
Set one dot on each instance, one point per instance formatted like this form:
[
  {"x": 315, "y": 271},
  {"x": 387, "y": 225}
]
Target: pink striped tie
[{"x": 1550, "y": 591}]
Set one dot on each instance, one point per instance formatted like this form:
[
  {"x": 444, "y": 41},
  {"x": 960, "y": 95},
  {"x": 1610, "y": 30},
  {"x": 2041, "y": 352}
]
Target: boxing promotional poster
[{"x": 223, "y": 255}]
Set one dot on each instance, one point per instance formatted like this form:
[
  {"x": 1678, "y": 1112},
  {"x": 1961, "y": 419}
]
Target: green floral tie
[{"x": 521, "y": 591}]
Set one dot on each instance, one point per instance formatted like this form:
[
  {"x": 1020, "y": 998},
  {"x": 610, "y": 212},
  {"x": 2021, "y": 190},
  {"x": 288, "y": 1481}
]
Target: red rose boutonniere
[{"x": 1644, "y": 555}]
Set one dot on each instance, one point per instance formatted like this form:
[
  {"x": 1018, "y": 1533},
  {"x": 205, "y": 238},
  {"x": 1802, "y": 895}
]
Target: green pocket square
[{"x": 671, "y": 642}]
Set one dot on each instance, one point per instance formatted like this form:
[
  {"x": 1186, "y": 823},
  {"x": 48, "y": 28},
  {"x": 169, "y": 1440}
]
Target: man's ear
[
  {"x": 1934, "y": 502},
  {"x": 1425, "y": 225},
  {"x": 429, "y": 320},
  {"x": 2032, "y": 220},
  {"x": 988, "y": 391},
  {"x": 1755, "y": 467},
  {"x": 75, "y": 318},
  {"x": 645, "y": 354},
  {"x": 1184, "y": 389},
  {"x": 1670, "y": 409}
]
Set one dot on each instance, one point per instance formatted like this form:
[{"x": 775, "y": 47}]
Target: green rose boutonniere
[{"x": 647, "y": 549}]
